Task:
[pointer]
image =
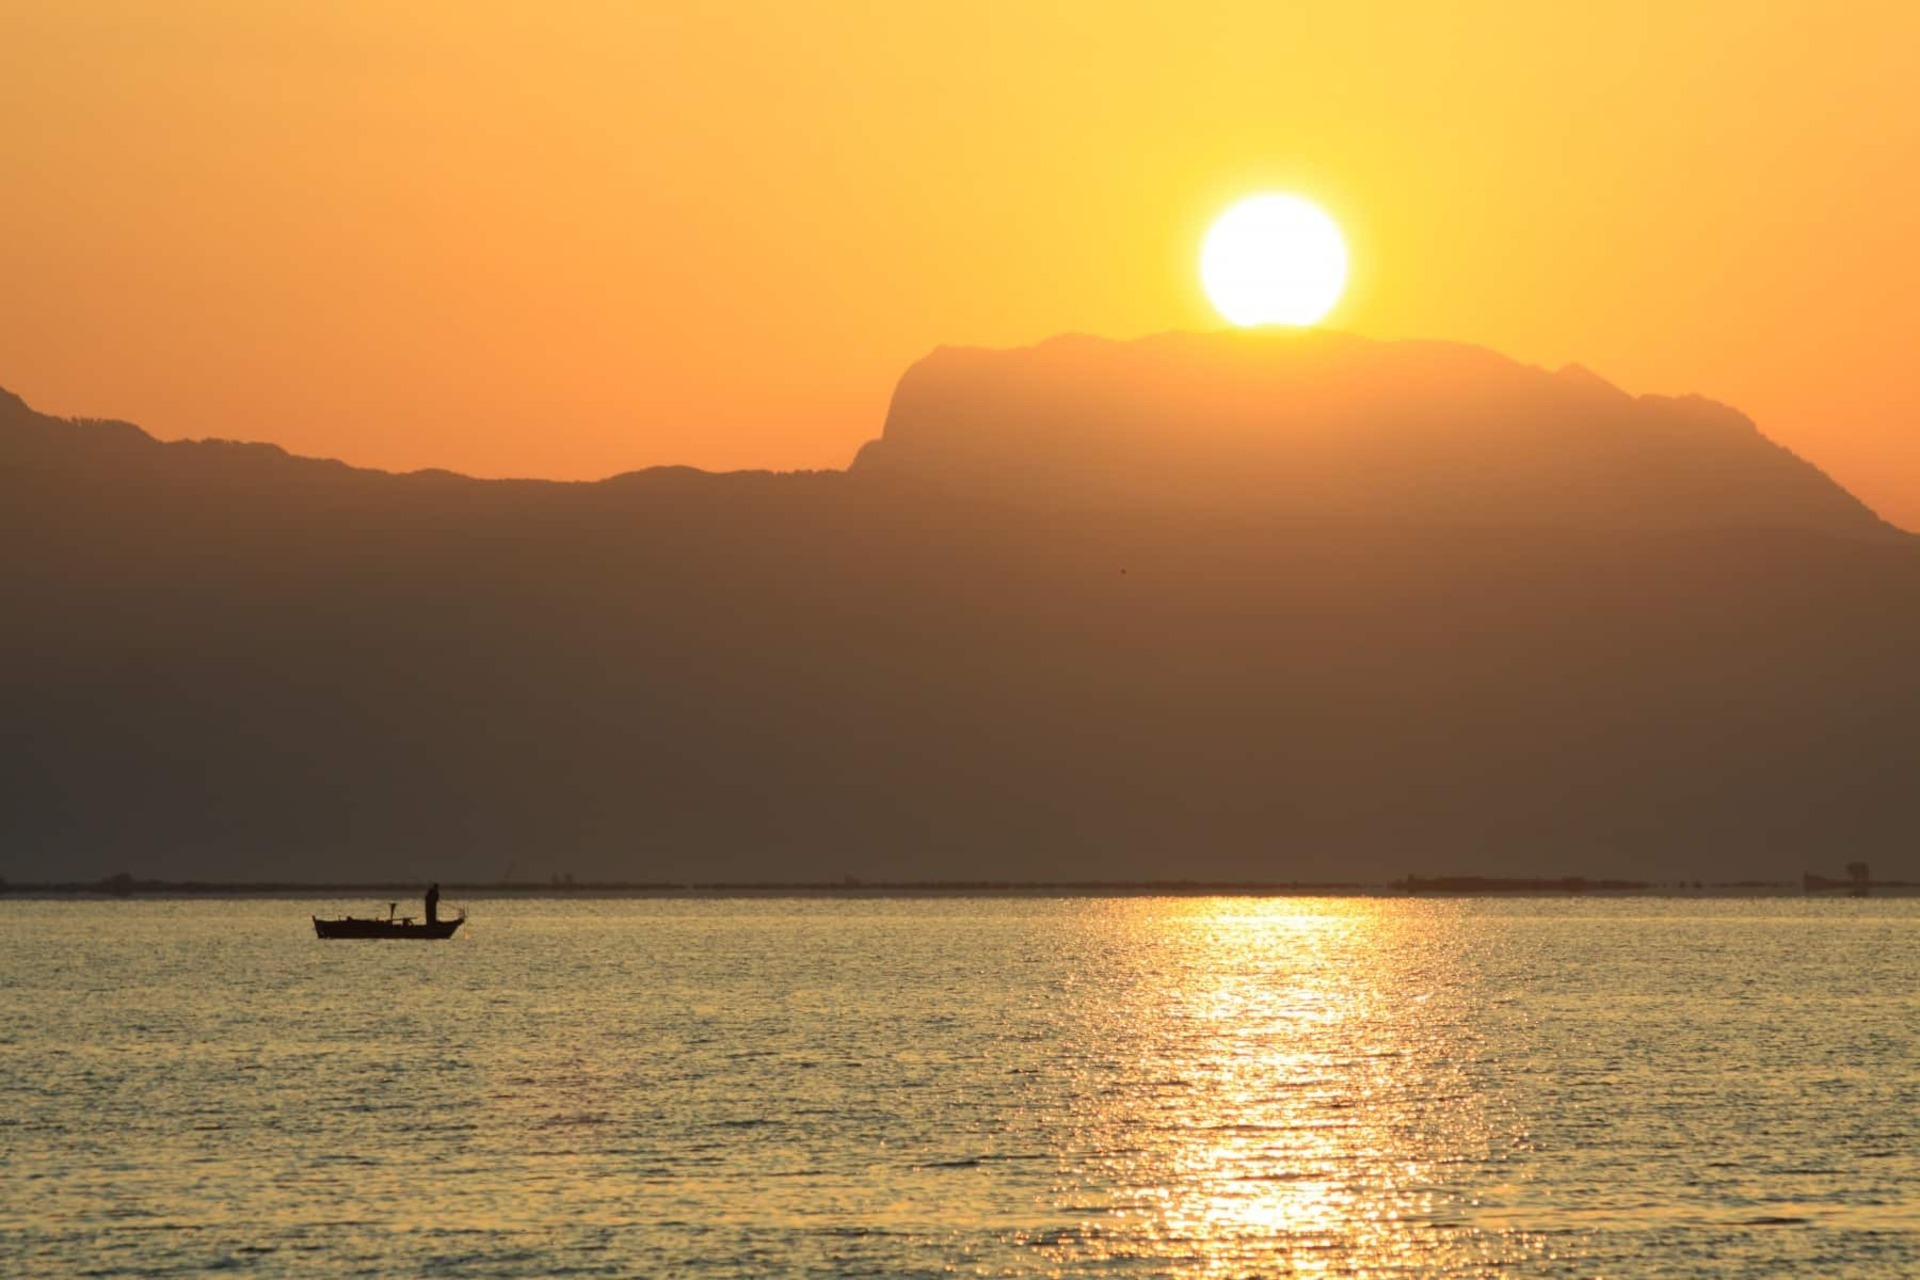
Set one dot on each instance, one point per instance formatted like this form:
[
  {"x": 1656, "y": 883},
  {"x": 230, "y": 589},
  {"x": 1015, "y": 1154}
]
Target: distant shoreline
[{"x": 1440, "y": 886}]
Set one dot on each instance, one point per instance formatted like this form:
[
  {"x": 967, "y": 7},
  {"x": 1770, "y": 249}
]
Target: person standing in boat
[{"x": 433, "y": 903}]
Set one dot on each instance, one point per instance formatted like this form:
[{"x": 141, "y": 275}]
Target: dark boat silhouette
[{"x": 391, "y": 927}]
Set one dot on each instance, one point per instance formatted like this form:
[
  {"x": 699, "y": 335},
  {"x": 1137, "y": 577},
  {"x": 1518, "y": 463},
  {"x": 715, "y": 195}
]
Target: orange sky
[{"x": 578, "y": 238}]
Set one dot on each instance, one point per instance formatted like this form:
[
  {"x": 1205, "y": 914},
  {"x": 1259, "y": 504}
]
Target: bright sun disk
[{"x": 1273, "y": 259}]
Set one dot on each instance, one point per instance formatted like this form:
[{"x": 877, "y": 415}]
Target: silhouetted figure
[{"x": 433, "y": 903}]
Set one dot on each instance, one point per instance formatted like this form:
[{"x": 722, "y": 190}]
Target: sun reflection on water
[{"x": 1297, "y": 1078}]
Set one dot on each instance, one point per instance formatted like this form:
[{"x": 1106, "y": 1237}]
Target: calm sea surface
[{"x": 988, "y": 1086}]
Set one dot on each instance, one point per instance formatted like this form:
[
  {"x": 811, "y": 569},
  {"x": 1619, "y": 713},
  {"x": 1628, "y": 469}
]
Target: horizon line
[{"x": 124, "y": 885}]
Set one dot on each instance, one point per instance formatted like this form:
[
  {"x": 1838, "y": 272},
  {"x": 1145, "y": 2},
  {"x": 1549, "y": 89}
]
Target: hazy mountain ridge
[
  {"x": 32, "y": 439},
  {"x": 1330, "y": 426},
  {"x": 227, "y": 662}
]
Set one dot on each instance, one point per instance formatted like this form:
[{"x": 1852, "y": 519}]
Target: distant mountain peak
[
  {"x": 1578, "y": 375},
  {"x": 1319, "y": 426}
]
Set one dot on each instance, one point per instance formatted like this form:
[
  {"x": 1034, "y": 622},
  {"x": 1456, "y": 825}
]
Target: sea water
[{"x": 994, "y": 1086}]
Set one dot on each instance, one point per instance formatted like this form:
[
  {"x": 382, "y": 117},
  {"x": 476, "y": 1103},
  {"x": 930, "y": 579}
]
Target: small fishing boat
[{"x": 391, "y": 927}]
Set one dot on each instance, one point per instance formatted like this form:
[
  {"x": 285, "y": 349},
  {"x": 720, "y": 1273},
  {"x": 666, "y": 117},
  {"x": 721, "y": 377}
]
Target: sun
[{"x": 1273, "y": 259}]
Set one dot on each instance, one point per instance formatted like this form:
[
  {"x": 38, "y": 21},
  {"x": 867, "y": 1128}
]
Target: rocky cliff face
[{"x": 1325, "y": 427}]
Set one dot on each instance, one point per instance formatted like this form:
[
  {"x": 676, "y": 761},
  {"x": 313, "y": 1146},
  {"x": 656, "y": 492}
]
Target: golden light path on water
[{"x": 1299, "y": 1081}]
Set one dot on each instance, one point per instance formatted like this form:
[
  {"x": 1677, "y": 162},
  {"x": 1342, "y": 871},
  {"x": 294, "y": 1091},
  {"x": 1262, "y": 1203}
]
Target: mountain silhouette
[
  {"x": 1328, "y": 427},
  {"x": 1236, "y": 606}
]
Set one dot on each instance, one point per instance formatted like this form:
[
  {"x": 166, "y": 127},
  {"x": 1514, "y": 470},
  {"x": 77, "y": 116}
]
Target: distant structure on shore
[
  {"x": 1859, "y": 881},
  {"x": 1507, "y": 884}
]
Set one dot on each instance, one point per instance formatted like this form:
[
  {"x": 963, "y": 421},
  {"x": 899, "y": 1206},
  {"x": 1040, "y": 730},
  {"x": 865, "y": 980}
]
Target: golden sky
[{"x": 575, "y": 238}]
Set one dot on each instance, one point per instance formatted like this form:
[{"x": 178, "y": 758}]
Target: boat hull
[{"x": 352, "y": 928}]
